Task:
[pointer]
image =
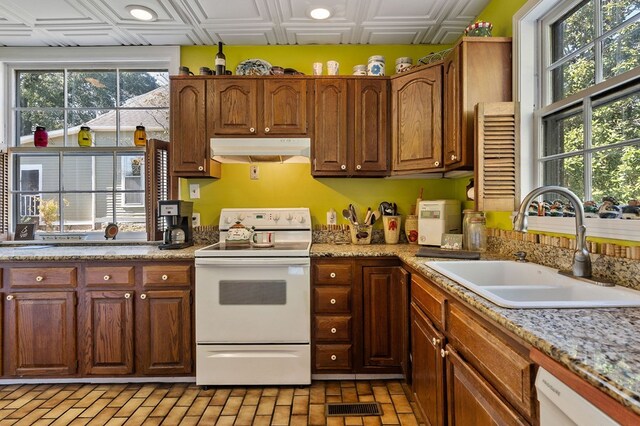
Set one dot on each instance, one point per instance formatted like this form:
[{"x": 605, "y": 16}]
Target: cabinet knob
[
  {"x": 9, "y": 297},
  {"x": 164, "y": 277},
  {"x": 266, "y": 130},
  {"x": 443, "y": 353},
  {"x": 39, "y": 278},
  {"x": 343, "y": 167},
  {"x": 333, "y": 357},
  {"x": 106, "y": 277},
  {"x": 143, "y": 296},
  {"x": 435, "y": 341},
  {"x": 358, "y": 167},
  {"x": 436, "y": 164},
  {"x": 334, "y": 330},
  {"x": 453, "y": 157},
  {"x": 332, "y": 301},
  {"x": 127, "y": 295},
  {"x": 252, "y": 130},
  {"x": 332, "y": 275},
  {"x": 200, "y": 168}
]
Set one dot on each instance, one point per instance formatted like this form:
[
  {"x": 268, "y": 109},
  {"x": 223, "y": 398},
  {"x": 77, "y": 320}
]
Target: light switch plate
[
  {"x": 254, "y": 172},
  {"x": 194, "y": 191}
]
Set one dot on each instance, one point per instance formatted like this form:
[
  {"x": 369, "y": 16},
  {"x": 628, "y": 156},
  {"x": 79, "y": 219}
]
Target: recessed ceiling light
[
  {"x": 320, "y": 13},
  {"x": 142, "y": 13}
]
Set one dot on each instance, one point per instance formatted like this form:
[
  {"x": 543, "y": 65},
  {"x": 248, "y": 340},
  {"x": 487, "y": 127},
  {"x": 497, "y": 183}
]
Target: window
[
  {"x": 581, "y": 118},
  {"x": 82, "y": 189}
]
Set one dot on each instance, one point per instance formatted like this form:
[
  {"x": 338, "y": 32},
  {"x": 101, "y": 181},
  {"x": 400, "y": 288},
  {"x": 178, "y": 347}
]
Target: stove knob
[
  {"x": 240, "y": 217},
  {"x": 289, "y": 216},
  {"x": 299, "y": 218},
  {"x": 228, "y": 220},
  {"x": 276, "y": 217}
]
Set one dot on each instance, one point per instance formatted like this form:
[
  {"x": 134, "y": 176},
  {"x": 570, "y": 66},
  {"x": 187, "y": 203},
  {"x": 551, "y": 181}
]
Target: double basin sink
[{"x": 528, "y": 285}]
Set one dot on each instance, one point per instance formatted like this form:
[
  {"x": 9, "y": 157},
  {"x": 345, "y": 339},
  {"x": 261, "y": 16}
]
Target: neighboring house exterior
[{"x": 87, "y": 211}]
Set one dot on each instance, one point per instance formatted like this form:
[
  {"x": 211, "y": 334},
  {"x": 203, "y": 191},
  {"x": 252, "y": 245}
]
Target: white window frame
[
  {"x": 527, "y": 68},
  {"x": 25, "y": 58}
]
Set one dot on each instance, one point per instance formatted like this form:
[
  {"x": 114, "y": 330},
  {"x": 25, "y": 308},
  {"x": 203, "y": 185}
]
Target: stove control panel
[{"x": 272, "y": 218}]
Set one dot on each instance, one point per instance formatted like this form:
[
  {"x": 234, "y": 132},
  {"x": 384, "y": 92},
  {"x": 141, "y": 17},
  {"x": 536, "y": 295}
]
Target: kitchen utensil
[
  {"x": 239, "y": 233},
  {"x": 354, "y": 215},
  {"x": 418, "y": 201},
  {"x": 375, "y": 216},
  {"x": 346, "y": 213},
  {"x": 386, "y": 208},
  {"x": 367, "y": 216},
  {"x": 394, "y": 207}
]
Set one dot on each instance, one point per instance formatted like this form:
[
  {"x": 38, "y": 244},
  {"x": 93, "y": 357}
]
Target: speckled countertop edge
[{"x": 600, "y": 345}]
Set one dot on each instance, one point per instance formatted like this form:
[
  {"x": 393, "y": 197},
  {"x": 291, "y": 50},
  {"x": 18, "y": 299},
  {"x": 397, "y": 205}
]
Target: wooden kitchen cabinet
[
  {"x": 247, "y": 106},
  {"x": 351, "y": 127},
  {"x": 41, "y": 331},
  {"x": 478, "y": 69},
  {"x": 108, "y": 332},
  {"x": 189, "y": 149},
  {"x": 416, "y": 121}
]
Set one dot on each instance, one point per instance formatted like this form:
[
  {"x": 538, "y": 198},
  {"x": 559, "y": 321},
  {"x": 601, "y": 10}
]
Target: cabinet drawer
[
  {"x": 334, "y": 328},
  {"x": 166, "y": 275},
  {"x": 333, "y": 273},
  {"x": 96, "y": 276},
  {"x": 329, "y": 357},
  {"x": 489, "y": 351},
  {"x": 43, "y": 277},
  {"x": 332, "y": 300},
  {"x": 430, "y": 299}
]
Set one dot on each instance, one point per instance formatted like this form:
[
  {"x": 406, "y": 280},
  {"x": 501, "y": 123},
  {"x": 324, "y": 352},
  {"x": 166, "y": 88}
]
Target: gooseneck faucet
[{"x": 581, "y": 260}]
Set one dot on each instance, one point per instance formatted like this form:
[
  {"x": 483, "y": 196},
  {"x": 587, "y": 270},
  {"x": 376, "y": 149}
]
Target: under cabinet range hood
[{"x": 252, "y": 150}]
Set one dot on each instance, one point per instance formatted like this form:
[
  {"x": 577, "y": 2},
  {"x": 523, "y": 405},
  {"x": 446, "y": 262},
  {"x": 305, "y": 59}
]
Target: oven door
[{"x": 253, "y": 300}]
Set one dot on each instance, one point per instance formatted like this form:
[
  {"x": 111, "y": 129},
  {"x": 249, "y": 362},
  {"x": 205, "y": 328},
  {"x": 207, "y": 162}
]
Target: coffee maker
[{"x": 178, "y": 218}]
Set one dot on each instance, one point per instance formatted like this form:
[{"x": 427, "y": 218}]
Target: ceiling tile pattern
[{"x": 234, "y": 22}]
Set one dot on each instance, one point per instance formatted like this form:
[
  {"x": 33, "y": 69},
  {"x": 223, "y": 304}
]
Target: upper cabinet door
[
  {"x": 417, "y": 121},
  {"x": 452, "y": 109},
  {"x": 188, "y": 127},
  {"x": 330, "y": 141},
  {"x": 284, "y": 107},
  {"x": 371, "y": 143},
  {"x": 235, "y": 102}
]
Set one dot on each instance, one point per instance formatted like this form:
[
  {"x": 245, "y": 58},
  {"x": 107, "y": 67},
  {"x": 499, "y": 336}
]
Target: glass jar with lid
[
  {"x": 477, "y": 233},
  {"x": 470, "y": 241},
  {"x": 84, "y": 136},
  {"x": 140, "y": 136}
]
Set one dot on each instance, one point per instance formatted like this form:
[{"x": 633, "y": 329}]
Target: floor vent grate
[{"x": 353, "y": 409}]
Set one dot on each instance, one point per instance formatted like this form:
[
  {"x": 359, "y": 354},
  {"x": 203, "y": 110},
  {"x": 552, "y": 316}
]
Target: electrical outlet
[
  {"x": 194, "y": 191},
  {"x": 195, "y": 219},
  {"x": 254, "y": 172}
]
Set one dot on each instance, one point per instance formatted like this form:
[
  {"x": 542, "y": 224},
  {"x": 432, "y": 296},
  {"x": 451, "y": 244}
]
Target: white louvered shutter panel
[
  {"x": 4, "y": 194},
  {"x": 497, "y": 156}
]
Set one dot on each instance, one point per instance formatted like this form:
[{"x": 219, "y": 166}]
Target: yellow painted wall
[{"x": 500, "y": 14}]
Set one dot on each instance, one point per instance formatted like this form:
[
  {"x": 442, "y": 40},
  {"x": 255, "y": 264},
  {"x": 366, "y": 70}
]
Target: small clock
[{"x": 111, "y": 231}]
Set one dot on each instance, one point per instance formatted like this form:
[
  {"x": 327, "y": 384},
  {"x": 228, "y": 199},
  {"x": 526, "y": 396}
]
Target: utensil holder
[
  {"x": 360, "y": 234},
  {"x": 391, "y": 226}
]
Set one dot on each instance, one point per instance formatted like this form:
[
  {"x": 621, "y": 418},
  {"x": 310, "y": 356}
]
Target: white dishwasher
[{"x": 560, "y": 405}]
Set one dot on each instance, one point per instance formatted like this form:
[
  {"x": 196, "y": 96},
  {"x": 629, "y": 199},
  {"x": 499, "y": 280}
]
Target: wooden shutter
[
  {"x": 497, "y": 171},
  {"x": 4, "y": 195},
  {"x": 157, "y": 184}
]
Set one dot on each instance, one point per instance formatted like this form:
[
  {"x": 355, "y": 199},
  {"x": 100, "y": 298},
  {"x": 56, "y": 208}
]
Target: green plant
[{"x": 49, "y": 212}]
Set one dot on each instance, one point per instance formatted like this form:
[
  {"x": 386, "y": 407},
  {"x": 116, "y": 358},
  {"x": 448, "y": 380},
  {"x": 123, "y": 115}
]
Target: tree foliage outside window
[{"x": 591, "y": 142}]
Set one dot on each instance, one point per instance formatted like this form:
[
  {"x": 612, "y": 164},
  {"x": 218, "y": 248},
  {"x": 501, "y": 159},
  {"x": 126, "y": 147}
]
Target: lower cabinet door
[
  {"x": 471, "y": 399},
  {"x": 164, "y": 332},
  {"x": 108, "y": 332},
  {"x": 428, "y": 368},
  {"x": 41, "y": 329}
]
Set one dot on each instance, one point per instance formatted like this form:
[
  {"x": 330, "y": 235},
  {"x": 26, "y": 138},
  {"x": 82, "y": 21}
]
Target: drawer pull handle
[
  {"x": 9, "y": 297},
  {"x": 252, "y": 130},
  {"x": 164, "y": 277},
  {"x": 333, "y": 357},
  {"x": 453, "y": 157},
  {"x": 435, "y": 341},
  {"x": 334, "y": 330},
  {"x": 39, "y": 278},
  {"x": 343, "y": 167},
  {"x": 200, "y": 168},
  {"x": 127, "y": 295},
  {"x": 107, "y": 277},
  {"x": 332, "y": 275},
  {"x": 266, "y": 130},
  {"x": 443, "y": 353},
  {"x": 332, "y": 301},
  {"x": 436, "y": 164},
  {"x": 143, "y": 296}
]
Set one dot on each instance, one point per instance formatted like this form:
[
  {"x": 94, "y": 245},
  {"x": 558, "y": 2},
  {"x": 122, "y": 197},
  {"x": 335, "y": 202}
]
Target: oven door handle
[{"x": 253, "y": 261}]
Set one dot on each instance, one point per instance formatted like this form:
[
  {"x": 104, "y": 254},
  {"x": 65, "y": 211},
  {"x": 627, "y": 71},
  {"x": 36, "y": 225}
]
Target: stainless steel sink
[{"x": 529, "y": 285}]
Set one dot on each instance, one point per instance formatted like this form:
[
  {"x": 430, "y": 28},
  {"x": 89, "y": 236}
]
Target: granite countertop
[{"x": 600, "y": 345}]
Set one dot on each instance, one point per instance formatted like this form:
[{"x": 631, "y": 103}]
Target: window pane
[
  {"x": 47, "y": 173},
  {"x": 78, "y": 212},
  {"x": 27, "y": 121},
  {"x": 50, "y": 213},
  {"x": 93, "y": 89},
  {"x": 620, "y": 51},
  {"x": 101, "y": 122},
  {"x": 572, "y": 31},
  {"x": 563, "y": 132},
  {"x": 144, "y": 88},
  {"x": 88, "y": 172},
  {"x": 616, "y": 121},
  {"x": 567, "y": 172},
  {"x": 573, "y": 76},
  {"x": 38, "y": 89},
  {"x": 615, "y": 12},
  {"x": 616, "y": 173}
]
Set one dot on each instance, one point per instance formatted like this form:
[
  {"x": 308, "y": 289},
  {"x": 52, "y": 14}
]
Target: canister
[
  {"x": 140, "y": 136},
  {"x": 40, "y": 137},
  {"x": 84, "y": 136},
  {"x": 375, "y": 65},
  {"x": 403, "y": 63},
  {"x": 360, "y": 69}
]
